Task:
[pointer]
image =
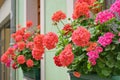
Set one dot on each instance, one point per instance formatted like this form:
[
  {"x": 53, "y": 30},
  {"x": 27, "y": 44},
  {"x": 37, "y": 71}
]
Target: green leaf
[
  {"x": 107, "y": 48},
  {"x": 36, "y": 62},
  {"x": 118, "y": 56},
  {"x": 117, "y": 64},
  {"x": 104, "y": 53},
  {"x": 110, "y": 64},
  {"x": 106, "y": 71},
  {"x": 58, "y": 52},
  {"x": 89, "y": 66},
  {"x": 100, "y": 64},
  {"x": 81, "y": 57},
  {"x": 113, "y": 47}
]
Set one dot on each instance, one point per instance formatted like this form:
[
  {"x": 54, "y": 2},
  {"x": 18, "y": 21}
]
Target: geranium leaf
[
  {"x": 106, "y": 71},
  {"x": 118, "y": 56}
]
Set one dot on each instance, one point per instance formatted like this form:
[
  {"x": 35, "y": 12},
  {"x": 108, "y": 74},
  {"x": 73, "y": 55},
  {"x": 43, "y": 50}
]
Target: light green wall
[
  {"x": 20, "y": 16},
  {"x": 53, "y": 72}
]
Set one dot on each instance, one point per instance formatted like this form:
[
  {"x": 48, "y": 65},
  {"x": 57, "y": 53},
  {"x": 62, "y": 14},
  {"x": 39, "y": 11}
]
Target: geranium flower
[
  {"x": 66, "y": 56},
  {"x": 106, "y": 39},
  {"x": 57, "y": 61},
  {"x": 89, "y": 2},
  {"x": 21, "y": 45},
  {"x": 18, "y": 38},
  {"x": 115, "y": 7},
  {"x": 38, "y": 40},
  {"x": 37, "y": 53},
  {"x": 50, "y": 40},
  {"x": 67, "y": 28},
  {"x": 4, "y": 58},
  {"x": 29, "y": 24},
  {"x": 26, "y": 35},
  {"x": 21, "y": 59},
  {"x": 104, "y": 16},
  {"x": 57, "y": 16},
  {"x": 92, "y": 46},
  {"x": 81, "y": 9},
  {"x": 81, "y": 36},
  {"x": 14, "y": 66},
  {"x": 30, "y": 63}
]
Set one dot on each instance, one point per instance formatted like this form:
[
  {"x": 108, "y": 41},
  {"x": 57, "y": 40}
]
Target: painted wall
[
  {"x": 20, "y": 12},
  {"x": 53, "y": 72},
  {"x": 20, "y": 19}
]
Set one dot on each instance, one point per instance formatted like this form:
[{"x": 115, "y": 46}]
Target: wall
[
  {"x": 20, "y": 12},
  {"x": 20, "y": 19},
  {"x": 53, "y": 72},
  {"x": 5, "y": 10}
]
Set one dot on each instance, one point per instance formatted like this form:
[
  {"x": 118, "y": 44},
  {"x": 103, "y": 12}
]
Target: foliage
[{"x": 93, "y": 41}]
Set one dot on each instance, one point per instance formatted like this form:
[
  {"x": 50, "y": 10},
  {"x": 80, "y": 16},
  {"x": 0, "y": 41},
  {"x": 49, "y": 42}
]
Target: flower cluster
[
  {"x": 65, "y": 58},
  {"x": 106, "y": 39},
  {"x": 50, "y": 40},
  {"x": 90, "y": 44},
  {"x": 115, "y": 7},
  {"x": 93, "y": 55},
  {"x": 59, "y": 15},
  {"x": 89, "y": 2},
  {"x": 81, "y": 36},
  {"x": 104, "y": 16},
  {"x": 28, "y": 48},
  {"x": 81, "y": 9}
]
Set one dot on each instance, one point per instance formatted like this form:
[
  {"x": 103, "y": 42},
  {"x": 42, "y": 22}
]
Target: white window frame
[{"x": 42, "y": 24}]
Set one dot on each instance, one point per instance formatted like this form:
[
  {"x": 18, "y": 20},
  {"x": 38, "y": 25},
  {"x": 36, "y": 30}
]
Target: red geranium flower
[
  {"x": 4, "y": 58},
  {"x": 57, "y": 16},
  {"x": 57, "y": 61},
  {"x": 67, "y": 28},
  {"x": 30, "y": 45},
  {"x": 29, "y": 24},
  {"x": 50, "y": 40},
  {"x": 18, "y": 38},
  {"x": 14, "y": 66},
  {"x": 21, "y": 59},
  {"x": 66, "y": 56},
  {"x": 21, "y": 45},
  {"x": 81, "y": 9},
  {"x": 38, "y": 41},
  {"x": 89, "y": 2},
  {"x": 81, "y": 36},
  {"x": 26, "y": 35},
  {"x": 92, "y": 46},
  {"x": 30, "y": 63},
  {"x": 37, "y": 53},
  {"x": 76, "y": 74}
]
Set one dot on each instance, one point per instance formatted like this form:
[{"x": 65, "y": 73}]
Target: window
[
  {"x": 108, "y": 3},
  {"x": 38, "y": 11},
  {"x": 5, "y": 40}
]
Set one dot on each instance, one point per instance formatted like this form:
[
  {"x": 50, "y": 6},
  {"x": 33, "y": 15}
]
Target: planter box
[
  {"x": 92, "y": 77},
  {"x": 33, "y": 74}
]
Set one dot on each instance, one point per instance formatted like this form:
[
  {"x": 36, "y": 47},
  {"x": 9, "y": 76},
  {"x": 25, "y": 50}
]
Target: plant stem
[
  {"x": 102, "y": 60},
  {"x": 61, "y": 35},
  {"x": 62, "y": 22}
]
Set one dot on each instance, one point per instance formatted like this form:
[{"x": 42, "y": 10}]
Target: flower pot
[
  {"x": 33, "y": 74},
  {"x": 92, "y": 77}
]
